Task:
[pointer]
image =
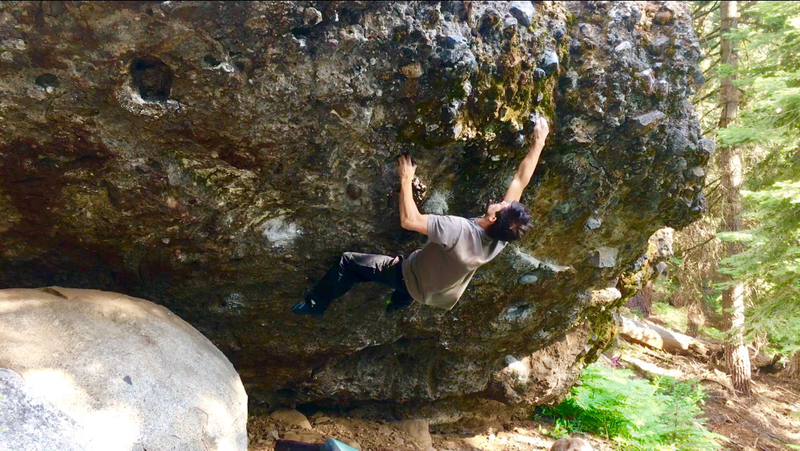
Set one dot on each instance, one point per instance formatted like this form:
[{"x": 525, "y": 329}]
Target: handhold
[
  {"x": 523, "y": 12},
  {"x": 152, "y": 78},
  {"x": 47, "y": 81},
  {"x": 604, "y": 257},
  {"x": 452, "y": 41},
  {"x": 519, "y": 141},
  {"x": 448, "y": 114},
  {"x": 646, "y": 121},
  {"x": 695, "y": 174},
  {"x": 460, "y": 57},
  {"x": 663, "y": 17},
  {"x": 594, "y": 223},
  {"x": 531, "y": 123},
  {"x": 509, "y": 22},
  {"x": 661, "y": 268},
  {"x": 706, "y": 147},
  {"x": 312, "y": 16},
  {"x": 354, "y": 191},
  {"x": 662, "y": 88},
  {"x": 605, "y": 296},
  {"x": 624, "y": 45},
  {"x": 413, "y": 70},
  {"x": 550, "y": 61}
]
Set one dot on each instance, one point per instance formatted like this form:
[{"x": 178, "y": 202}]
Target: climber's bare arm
[
  {"x": 528, "y": 165},
  {"x": 410, "y": 217}
]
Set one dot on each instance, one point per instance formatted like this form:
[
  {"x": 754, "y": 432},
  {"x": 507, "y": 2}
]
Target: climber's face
[{"x": 494, "y": 208}]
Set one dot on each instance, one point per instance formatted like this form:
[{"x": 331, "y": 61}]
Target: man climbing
[{"x": 438, "y": 273}]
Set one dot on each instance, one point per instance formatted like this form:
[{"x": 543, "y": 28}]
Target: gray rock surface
[
  {"x": 571, "y": 444},
  {"x": 605, "y": 257},
  {"x": 114, "y": 373},
  {"x": 523, "y": 12},
  {"x": 29, "y": 422},
  {"x": 551, "y": 370},
  {"x": 217, "y": 157}
]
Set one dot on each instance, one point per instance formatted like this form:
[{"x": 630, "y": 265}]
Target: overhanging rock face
[{"x": 216, "y": 157}]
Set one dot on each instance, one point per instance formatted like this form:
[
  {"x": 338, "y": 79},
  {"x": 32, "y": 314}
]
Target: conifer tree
[{"x": 733, "y": 298}]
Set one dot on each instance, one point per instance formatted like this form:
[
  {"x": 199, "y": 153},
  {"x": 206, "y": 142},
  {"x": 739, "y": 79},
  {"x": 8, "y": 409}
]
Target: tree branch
[
  {"x": 698, "y": 14},
  {"x": 709, "y": 112},
  {"x": 714, "y": 33},
  {"x": 712, "y": 66},
  {"x": 702, "y": 99}
]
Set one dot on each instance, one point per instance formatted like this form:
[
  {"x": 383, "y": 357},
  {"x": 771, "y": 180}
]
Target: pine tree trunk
[
  {"x": 695, "y": 318},
  {"x": 643, "y": 300},
  {"x": 736, "y": 356},
  {"x": 794, "y": 366}
]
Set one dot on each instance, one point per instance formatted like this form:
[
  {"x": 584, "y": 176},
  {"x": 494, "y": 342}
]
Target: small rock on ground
[
  {"x": 291, "y": 417},
  {"x": 418, "y": 430}
]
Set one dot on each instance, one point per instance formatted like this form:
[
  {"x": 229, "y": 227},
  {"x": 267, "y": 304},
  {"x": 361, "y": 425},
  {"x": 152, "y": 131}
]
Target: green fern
[{"x": 663, "y": 415}]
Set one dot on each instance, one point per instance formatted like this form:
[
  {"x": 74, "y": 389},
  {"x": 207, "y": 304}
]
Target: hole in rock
[
  {"x": 54, "y": 8},
  {"x": 47, "y": 81},
  {"x": 210, "y": 61},
  {"x": 309, "y": 408},
  {"x": 152, "y": 77},
  {"x": 351, "y": 16},
  {"x": 301, "y": 31}
]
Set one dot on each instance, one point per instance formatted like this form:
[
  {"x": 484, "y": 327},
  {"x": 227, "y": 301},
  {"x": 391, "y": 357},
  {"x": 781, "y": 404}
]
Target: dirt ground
[
  {"x": 371, "y": 435},
  {"x": 769, "y": 421}
]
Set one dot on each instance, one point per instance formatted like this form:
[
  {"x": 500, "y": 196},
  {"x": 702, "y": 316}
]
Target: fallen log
[{"x": 664, "y": 339}]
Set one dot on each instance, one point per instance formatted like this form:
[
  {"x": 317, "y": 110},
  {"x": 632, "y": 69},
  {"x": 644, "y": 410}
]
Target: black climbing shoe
[
  {"x": 398, "y": 301},
  {"x": 308, "y": 307}
]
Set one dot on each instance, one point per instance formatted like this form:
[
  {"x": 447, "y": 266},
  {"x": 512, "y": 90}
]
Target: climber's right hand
[
  {"x": 406, "y": 168},
  {"x": 540, "y": 131}
]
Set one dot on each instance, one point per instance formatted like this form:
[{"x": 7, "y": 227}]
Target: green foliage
[
  {"x": 559, "y": 430},
  {"x": 771, "y": 263},
  {"x": 664, "y": 287},
  {"x": 712, "y": 332},
  {"x": 740, "y": 236},
  {"x": 639, "y": 415},
  {"x": 768, "y": 132},
  {"x": 769, "y": 37},
  {"x": 676, "y": 261},
  {"x": 674, "y": 318}
]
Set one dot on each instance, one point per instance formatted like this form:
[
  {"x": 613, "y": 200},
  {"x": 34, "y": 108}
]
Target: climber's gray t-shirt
[{"x": 439, "y": 273}]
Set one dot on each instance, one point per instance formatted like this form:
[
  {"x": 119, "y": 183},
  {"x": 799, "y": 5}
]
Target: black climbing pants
[{"x": 353, "y": 268}]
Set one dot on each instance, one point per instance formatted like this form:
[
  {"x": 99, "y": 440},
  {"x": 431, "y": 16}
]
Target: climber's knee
[{"x": 345, "y": 260}]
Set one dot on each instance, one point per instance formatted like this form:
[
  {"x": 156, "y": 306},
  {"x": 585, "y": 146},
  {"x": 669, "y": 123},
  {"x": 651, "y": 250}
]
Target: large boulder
[
  {"x": 29, "y": 422},
  {"x": 103, "y": 371},
  {"x": 216, "y": 157}
]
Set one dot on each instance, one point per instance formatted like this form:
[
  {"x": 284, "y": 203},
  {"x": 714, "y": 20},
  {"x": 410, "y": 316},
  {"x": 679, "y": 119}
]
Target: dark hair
[{"x": 511, "y": 224}]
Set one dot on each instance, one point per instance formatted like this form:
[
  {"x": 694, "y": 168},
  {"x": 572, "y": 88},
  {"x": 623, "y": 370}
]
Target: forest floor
[{"x": 768, "y": 421}]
